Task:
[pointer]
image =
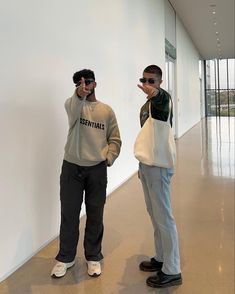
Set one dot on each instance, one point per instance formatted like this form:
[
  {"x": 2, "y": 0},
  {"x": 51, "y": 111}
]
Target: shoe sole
[
  {"x": 58, "y": 277},
  {"x": 173, "y": 283},
  {"x": 149, "y": 270},
  {"x": 94, "y": 275}
]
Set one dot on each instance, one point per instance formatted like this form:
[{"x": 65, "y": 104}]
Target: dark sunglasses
[
  {"x": 150, "y": 81},
  {"x": 87, "y": 82}
]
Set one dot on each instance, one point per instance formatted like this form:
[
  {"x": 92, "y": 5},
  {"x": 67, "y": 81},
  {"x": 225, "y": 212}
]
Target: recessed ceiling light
[
  {"x": 217, "y": 33},
  {"x": 213, "y": 12},
  {"x": 215, "y": 23}
]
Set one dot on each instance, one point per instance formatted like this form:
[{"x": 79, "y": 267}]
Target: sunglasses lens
[
  {"x": 88, "y": 82},
  {"x": 144, "y": 80},
  {"x": 151, "y": 81}
]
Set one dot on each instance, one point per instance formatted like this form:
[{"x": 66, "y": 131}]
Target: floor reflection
[{"x": 218, "y": 146}]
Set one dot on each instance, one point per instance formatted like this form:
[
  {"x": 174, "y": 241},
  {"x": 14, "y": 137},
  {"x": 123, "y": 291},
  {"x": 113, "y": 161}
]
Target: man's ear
[{"x": 95, "y": 84}]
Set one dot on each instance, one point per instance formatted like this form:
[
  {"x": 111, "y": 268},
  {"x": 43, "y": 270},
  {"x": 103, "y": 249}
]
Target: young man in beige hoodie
[{"x": 93, "y": 143}]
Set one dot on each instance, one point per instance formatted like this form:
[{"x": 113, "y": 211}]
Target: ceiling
[{"x": 210, "y": 23}]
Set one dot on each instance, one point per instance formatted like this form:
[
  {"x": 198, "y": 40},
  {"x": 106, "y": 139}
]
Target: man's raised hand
[
  {"x": 149, "y": 90},
  {"x": 81, "y": 89}
]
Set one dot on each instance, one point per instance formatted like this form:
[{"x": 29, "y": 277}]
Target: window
[{"x": 220, "y": 87}]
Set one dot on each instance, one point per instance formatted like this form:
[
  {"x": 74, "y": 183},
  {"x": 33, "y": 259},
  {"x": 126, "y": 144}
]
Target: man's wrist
[{"x": 152, "y": 95}]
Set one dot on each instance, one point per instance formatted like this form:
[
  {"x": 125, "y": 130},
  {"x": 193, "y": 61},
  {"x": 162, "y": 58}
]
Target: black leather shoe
[
  {"x": 150, "y": 266},
  {"x": 161, "y": 280}
]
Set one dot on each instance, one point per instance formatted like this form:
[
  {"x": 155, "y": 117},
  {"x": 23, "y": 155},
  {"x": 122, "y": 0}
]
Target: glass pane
[
  {"x": 224, "y": 96},
  {"x": 223, "y": 74},
  {"x": 232, "y": 102},
  {"x": 216, "y": 74},
  {"x": 171, "y": 78},
  {"x": 211, "y": 102},
  {"x": 231, "y": 73},
  {"x": 210, "y": 74},
  {"x": 167, "y": 74}
]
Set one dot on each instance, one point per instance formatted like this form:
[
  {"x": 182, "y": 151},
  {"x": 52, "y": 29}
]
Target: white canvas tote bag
[{"x": 155, "y": 143}]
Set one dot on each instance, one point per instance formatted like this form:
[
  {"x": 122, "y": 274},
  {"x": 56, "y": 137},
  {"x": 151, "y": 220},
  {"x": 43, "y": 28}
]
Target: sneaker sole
[
  {"x": 57, "y": 277},
  {"x": 173, "y": 283},
  {"x": 94, "y": 275}
]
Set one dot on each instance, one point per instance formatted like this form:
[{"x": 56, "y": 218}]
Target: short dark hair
[
  {"x": 154, "y": 69},
  {"x": 85, "y": 73}
]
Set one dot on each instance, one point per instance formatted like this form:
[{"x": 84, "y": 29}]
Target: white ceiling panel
[{"x": 210, "y": 23}]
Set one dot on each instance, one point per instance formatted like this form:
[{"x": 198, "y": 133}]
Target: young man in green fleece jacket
[
  {"x": 93, "y": 143},
  {"x": 156, "y": 186}
]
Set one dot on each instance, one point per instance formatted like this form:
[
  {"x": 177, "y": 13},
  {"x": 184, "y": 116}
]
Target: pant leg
[
  {"x": 71, "y": 197},
  {"x": 159, "y": 193},
  {"x": 157, "y": 236},
  {"x": 95, "y": 197}
]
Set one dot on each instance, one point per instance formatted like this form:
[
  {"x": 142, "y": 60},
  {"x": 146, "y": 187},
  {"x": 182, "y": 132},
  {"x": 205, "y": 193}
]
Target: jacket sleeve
[
  {"x": 113, "y": 139},
  {"x": 73, "y": 108},
  {"x": 160, "y": 106}
]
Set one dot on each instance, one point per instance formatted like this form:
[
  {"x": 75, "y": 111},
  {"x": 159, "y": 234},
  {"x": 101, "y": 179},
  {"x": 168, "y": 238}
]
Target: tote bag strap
[{"x": 169, "y": 115}]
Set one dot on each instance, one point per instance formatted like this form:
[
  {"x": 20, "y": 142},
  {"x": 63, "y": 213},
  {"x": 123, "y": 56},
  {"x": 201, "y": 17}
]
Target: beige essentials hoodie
[{"x": 93, "y": 132}]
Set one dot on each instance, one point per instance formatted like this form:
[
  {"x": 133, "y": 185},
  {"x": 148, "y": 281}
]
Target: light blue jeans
[{"x": 156, "y": 186}]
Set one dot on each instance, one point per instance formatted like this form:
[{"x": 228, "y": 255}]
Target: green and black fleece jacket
[{"x": 159, "y": 107}]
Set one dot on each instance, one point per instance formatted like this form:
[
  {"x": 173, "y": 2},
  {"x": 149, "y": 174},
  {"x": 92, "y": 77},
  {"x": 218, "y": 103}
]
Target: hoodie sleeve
[
  {"x": 73, "y": 107},
  {"x": 113, "y": 139}
]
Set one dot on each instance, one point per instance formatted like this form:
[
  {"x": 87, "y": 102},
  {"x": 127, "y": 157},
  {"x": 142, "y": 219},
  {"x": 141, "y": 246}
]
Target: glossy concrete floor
[{"x": 203, "y": 203}]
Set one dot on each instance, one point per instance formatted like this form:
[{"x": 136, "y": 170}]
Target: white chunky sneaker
[
  {"x": 60, "y": 269},
  {"x": 93, "y": 268}
]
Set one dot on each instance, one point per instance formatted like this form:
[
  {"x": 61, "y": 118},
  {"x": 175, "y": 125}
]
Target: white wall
[
  {"x": 42, "y": 44},
  {"x": 187, "y": 75},
  {"x": 170, "y": 23}
]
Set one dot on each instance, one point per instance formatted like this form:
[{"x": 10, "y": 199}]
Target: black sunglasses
[
  {"x": 150, "y": 81},
  {"x": 87, "y": 82}
]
